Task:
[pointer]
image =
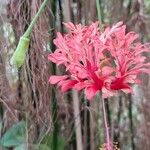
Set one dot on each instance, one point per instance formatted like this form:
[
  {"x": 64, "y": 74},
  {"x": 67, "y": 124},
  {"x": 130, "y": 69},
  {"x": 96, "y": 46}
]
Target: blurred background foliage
[{"x": 37, "y": 116}]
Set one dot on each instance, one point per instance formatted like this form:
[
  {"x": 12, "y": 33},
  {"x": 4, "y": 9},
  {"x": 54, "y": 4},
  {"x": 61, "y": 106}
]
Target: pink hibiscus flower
[{"x": 94, "y": 61}]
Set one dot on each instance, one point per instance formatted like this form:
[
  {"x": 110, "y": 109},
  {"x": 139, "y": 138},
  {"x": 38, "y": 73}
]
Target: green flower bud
[{"x": 19, "y": 55}]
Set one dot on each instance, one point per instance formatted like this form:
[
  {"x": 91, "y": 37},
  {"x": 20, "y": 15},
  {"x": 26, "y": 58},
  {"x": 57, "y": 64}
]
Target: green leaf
[
  {"x": 14, "y": 136},
  {"x": 32, "y": 147}
]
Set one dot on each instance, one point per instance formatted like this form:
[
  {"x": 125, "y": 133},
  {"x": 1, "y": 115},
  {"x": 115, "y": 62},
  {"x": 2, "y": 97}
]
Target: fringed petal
[
  {"x": 56, "y": 79},
  {"x": 90, "y": 92},
  {"x": 68, "y": 84}
]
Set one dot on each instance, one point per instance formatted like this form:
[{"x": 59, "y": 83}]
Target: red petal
[
  {"x": 119, "y": 84},
  {"x": 56, "y": 79},
  {"x": 90, "y": 92},
  {"x": 79, "y": 86},
  {"x": 127, "y": 90},
  {"x": 68, "y": 84}
]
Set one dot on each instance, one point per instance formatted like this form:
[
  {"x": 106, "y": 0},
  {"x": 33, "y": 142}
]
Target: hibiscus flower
[{"x": 105, "y": 61}]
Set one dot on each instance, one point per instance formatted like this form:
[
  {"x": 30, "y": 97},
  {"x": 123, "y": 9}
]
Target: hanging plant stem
[
  {"x": 19, "y": 55},
  {"x": 30, "y": 28}
]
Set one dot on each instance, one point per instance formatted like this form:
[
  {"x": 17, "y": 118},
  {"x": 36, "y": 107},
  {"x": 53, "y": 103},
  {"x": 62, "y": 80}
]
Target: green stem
[
  {"x": 19, "y": 55},
  {"x": 29, "y": 30},
  {"x": 99, "y": 14}
]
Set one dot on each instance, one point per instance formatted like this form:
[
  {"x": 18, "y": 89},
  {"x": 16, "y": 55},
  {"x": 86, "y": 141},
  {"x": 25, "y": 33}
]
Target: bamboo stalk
[
  {"x": 60, "y": 15},
  {"x": 54, "y": 118},
  {"x": 88, "y": 125},
  {"x": 108, "y": 113},
  {"x": 106, "y": 125},
  {"x": 77, "y": 120},
  {"x": 131, "y": 121},
  {"x": 53, "y": 71}
]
